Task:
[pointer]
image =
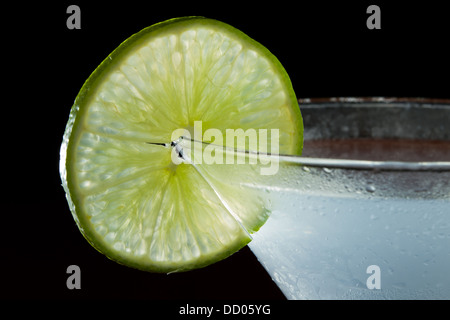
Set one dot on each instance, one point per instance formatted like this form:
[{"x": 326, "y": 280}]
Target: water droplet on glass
[
  {"x": 326, "y": 170},
  {"x": 306, "y": 169},
  {"x": 370, "y": 188}
]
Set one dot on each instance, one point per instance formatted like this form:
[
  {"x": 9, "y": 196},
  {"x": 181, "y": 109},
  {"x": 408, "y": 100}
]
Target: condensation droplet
[
  {"x": 370, "y": 188},
  {"x": 326, "y": 170}
]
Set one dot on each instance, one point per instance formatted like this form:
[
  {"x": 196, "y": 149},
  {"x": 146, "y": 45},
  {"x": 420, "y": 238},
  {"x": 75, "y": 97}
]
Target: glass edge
[
  {"x": 370, "y": 165},
  {"x": 330, "y": 100}
]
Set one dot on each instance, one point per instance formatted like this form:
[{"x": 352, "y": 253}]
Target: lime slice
[{"x": 128, "y": 198}]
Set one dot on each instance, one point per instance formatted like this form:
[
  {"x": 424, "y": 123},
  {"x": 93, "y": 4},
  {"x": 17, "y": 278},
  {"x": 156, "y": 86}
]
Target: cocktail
[
  {"x": 187, "y": 137},
  {"x": 378, "y": 228}
]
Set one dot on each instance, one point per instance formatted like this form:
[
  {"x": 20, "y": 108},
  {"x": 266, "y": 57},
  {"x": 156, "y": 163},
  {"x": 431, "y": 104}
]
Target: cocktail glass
[{"x": 367, "y": 213}]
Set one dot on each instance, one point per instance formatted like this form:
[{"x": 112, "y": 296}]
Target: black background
[{"x": 325, "y": 47}]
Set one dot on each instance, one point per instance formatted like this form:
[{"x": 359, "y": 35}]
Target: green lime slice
[{"x": 126, "y": 195}]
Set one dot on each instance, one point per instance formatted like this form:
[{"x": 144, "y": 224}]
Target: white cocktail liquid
[{"x": 320, "y": 246}]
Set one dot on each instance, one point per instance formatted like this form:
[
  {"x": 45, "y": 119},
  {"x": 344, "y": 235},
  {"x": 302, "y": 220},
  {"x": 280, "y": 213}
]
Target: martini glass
[{"x": 367, "y": 213}]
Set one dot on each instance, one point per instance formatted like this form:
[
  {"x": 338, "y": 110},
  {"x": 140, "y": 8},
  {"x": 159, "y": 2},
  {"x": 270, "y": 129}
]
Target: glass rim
[
  {"x": 368, "y": 164},
  {"x": 380, "y": 99}
]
